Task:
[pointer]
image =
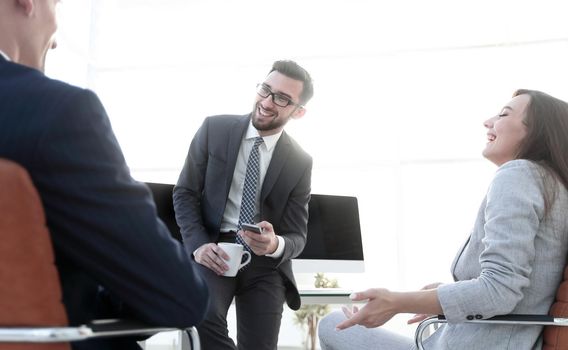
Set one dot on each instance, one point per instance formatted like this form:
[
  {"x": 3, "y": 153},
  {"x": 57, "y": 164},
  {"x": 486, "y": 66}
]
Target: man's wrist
[
  {"x": 197, "y": 250},
  {"x": 279, "y": 248}
]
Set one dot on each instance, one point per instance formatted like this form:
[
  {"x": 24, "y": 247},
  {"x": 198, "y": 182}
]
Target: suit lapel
[
  {"x": 233, "y": 147},
  {"x": 279, "y": 158},
  {"x": 457, "y": 258}
]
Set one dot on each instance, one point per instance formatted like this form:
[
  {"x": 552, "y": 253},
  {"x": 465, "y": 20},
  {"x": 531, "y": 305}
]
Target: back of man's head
[
  {"x": 27, "y": 29},
  {"x": 6, "y": 23}
]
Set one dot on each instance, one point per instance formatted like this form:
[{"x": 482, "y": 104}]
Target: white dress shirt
[{"x": 233, "y": 207}]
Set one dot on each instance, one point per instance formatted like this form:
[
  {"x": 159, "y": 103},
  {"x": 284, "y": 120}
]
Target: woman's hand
[
  {"x": 383, "y": 304},
  {"x": 380, "y": 308},
  {"x": 418, "y": 318}
]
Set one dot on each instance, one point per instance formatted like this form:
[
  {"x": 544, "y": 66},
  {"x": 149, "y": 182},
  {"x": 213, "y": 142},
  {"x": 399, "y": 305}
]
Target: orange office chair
[
  {"x": 555, "y": 333},
  {"x": 32, "y": 315}
]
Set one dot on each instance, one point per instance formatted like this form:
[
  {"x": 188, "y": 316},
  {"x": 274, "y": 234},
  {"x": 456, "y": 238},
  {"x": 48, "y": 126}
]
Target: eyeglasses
[{"x": 278, "y": 99}]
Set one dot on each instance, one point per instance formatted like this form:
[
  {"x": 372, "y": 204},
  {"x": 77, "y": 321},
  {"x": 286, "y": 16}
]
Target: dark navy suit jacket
[
  {"x": 115, "y": 258},
  {"x": 203, "y": 188}
]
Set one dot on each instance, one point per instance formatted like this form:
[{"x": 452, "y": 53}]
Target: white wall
[{"x": 401, "y": 91}]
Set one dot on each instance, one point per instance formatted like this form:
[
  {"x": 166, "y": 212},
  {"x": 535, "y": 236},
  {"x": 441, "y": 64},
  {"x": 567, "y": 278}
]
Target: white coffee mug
[{"x": 235, "y": 252}]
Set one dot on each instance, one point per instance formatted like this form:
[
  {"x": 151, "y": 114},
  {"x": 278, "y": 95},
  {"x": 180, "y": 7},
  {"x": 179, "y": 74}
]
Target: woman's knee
[{"x": 327, "y": 332}]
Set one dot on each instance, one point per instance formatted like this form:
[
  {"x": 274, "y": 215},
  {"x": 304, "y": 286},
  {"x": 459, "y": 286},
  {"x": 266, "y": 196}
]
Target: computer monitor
[
  {"x": 334, "y": 233},
  {"x": 163, "y": 199},
  {"x": 334, "y": 236}
]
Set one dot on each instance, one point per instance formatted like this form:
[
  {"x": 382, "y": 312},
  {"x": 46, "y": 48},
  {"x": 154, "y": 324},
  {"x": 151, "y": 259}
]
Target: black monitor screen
[{"x": 334, "y": 232}]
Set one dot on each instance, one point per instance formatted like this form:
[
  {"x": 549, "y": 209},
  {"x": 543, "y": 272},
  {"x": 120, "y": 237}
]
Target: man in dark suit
[
  {"x": 114, "y": 256},
  {"x": 210, "y": 207}
]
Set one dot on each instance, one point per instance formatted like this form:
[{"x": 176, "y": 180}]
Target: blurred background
[{"x": 401, "y": 91}]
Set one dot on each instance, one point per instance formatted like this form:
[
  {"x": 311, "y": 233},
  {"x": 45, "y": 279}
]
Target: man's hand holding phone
[
  {"x": 261, "y": 237},
  {"x": 252, "y": 228}
]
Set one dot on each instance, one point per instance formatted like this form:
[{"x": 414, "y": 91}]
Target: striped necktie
[{"x": 252, "y": 176}]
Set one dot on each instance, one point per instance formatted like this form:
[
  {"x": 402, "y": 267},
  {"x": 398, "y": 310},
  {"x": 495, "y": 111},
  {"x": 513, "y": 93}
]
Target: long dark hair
[{"x": 546, "y": 142}]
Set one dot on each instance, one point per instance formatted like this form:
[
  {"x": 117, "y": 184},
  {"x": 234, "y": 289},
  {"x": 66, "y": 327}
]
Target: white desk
[
  {"x": 325, "y": 295},
  {"x": 308, "y": 295}
]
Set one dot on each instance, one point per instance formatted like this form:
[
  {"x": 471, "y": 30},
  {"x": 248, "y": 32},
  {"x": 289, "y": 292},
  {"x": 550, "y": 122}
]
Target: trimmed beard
[{"x": 275, "y": 123}]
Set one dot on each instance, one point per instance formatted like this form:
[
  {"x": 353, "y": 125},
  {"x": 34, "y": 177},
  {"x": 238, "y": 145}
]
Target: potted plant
[{"x": 309, "y": 315}]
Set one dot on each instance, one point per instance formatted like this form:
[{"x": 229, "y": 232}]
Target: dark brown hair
[
  {"x": 546, "y": 142},
  {"x": 293, "y": 70}
]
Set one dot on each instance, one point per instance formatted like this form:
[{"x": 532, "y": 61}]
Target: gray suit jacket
[
  {"x": 512, "y": 262},
  {"x": 203, "y": 188}
]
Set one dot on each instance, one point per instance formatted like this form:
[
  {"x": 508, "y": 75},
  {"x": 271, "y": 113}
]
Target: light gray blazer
[{"x": 512, "y": 262}]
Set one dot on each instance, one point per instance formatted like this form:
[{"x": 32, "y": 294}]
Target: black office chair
[{"x": 31, "y": 311}]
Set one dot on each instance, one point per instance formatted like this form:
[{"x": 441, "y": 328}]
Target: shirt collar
[
  {"x": 4, "y": 55},
  {"x": 269, "y": 141}
]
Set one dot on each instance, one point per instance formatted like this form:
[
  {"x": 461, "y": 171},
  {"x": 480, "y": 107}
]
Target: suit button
[
  {"x": 469, "y": 317},
  {"x": 478, "y": 317}
]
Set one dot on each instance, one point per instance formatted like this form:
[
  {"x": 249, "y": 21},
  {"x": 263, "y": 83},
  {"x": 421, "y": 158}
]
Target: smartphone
[{"x": 251, "y": 227}]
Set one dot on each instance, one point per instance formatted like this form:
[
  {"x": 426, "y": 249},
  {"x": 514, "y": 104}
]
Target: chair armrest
[
  {"x": 423, "y": 326},
  {"x": 94, "y": 329},
  {"x": 120, "y": 327},
  {"x": 43, "y": 334},
  {"x": 539, "y": 320}
]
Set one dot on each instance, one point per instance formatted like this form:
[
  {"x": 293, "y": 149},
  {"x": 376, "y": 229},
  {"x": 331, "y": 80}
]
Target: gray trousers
[{"x": 359, "y": 337}]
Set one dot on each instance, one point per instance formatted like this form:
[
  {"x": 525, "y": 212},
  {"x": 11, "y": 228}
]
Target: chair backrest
[
  {"x": 556, "y": 338},
  {"x": 30, "y": 291}
]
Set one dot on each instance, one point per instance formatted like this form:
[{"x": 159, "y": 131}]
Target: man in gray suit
[{"x": 213, "y": 196}]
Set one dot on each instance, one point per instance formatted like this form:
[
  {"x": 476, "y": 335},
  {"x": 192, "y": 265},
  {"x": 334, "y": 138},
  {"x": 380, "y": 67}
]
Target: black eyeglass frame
[{"x": 262, "y": 86}]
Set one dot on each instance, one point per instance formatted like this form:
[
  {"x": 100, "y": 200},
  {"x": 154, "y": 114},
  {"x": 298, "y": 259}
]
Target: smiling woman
[
  {"x": 511, "y": 263},
  {"x": 506, "y": 131},
  {"x": 395, "y": 121}
]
